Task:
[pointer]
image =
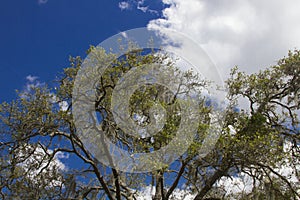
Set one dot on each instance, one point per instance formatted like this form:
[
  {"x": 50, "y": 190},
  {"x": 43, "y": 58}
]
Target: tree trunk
[{"x": 159, "y": 195}]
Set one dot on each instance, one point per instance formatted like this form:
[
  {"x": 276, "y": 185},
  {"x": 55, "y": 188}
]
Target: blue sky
[{"x": 37, "y": 37}]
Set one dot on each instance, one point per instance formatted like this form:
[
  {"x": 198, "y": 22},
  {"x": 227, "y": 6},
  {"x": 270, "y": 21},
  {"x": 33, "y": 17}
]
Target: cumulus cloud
[
  {"x": 251, "y": 34},
  {"x": 238, "y": 184},
  {"x": 148, "y": 192},
  {"x": 39, "y": 158},
  {"x": 39, "y": 155},
  {"x": 242, "y": 183}
]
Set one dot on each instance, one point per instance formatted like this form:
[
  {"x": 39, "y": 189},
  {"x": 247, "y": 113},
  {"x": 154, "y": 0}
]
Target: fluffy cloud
[
  {"x": 39, "y": 155},
  {"x": 242, "y": 183},
  {"x": 148, "y": 192},
  {"x": 239, "y": 184},
  {"x": 251, "y": 34},
  {"x": 236, "y": 184},
  {"x": 37, "y": 164}
]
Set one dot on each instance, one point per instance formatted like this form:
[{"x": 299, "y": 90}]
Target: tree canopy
[{"x": 43, "y": 157}]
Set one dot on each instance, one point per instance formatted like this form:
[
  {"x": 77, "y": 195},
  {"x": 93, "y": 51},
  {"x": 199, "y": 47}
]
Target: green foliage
[{"x": 35, "y": 130}]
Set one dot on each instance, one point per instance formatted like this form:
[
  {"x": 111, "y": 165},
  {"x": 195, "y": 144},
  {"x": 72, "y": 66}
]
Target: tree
[{"x": 36, "y": 129}]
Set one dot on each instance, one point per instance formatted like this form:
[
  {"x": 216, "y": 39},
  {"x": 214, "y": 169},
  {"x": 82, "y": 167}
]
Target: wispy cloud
[
  {"x": 141, "y": 6},
  {"x": 32, "y": 82},
  {"x": 124, "y": 5},
  {"x": 31, "y": 78},
  {"x": 138, "y": 4}
]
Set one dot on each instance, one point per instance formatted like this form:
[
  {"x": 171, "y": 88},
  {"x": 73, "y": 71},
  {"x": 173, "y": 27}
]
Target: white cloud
[
  {"x": 242, "y": 183},
  {"x": 148, "y": 192},
  {"x": 32, "y": 82},
  {"x": 37, "y": 158},
  {"x": 138, "y": 4},
  {"x": 38, "y": 155},
  {"x": 124, "y": 5},
  {"x": 232, "y": 130},
  {"x": 142, "y": 7},
  {"x": 251, "y": 34},
  {"x": 31, "y": 78},
  {"x": 124, "y": 35},
  {"x": 234, "y": 187},
  {"x": 63, "y": 105}
]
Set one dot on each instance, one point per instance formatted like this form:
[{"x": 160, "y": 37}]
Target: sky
[{"x": 38, "y": 36}]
